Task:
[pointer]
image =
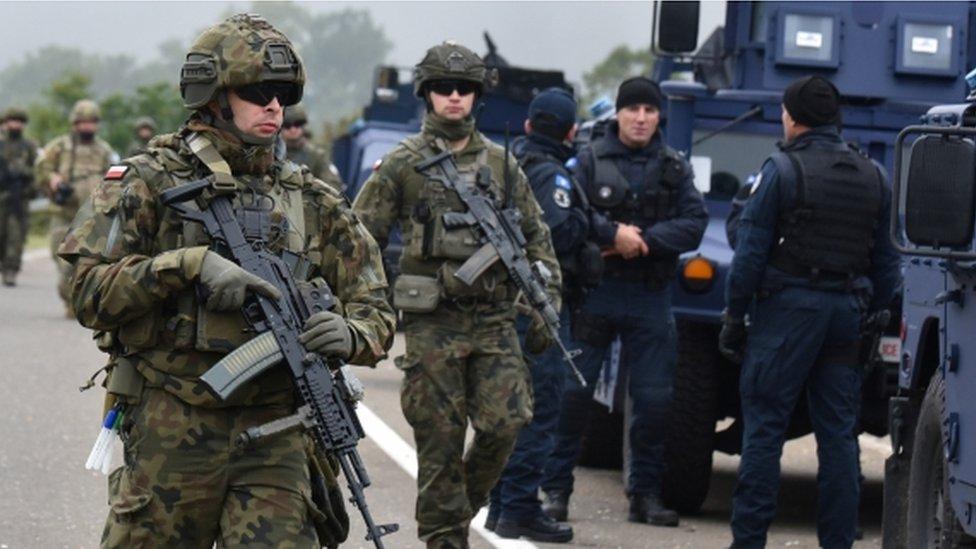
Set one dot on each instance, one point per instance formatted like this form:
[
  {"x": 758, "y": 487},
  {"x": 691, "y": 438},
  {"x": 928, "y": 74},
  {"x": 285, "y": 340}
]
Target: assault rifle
[
  {"x": 328, "y": 402},
  {"x": 502, "y": 240}
]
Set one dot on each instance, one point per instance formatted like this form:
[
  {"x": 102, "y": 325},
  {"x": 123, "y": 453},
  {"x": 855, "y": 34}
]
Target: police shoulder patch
[
  {"x": 116, "y": 172},
  {"x": 571, "y": 163},
  {"x": 562, "y": 182},
  {"x": 561, "y": 197},
  {"x": 755, "y": 184}
]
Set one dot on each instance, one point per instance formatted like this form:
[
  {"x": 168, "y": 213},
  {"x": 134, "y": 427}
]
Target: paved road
[{"x": 48, "y": 500}]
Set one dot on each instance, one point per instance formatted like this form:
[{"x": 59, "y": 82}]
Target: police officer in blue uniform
[
  {"x": 515, "y": 509},
  {"x": 812, "y": 258},
  {"x": 647, "y": 190}
]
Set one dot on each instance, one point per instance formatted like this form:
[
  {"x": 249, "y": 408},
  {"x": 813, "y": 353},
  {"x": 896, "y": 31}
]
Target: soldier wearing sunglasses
[
  {"x": 168, "y": 307},
  {"x": 463, "y": 364}
]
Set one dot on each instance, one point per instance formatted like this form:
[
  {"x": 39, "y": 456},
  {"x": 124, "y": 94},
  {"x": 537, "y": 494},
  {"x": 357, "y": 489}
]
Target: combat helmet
[
  {"x": 14, "y": 113},
  {"x": 295, "y": 114},
  {"x": 449, "y": 61},
  {"x": 242, "y": 50},
  {"x": 85, "y": 110},
  {"x": 144, "y": 122}
]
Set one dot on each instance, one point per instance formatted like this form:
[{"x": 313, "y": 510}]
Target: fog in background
[{"x": 570, "y": 36}]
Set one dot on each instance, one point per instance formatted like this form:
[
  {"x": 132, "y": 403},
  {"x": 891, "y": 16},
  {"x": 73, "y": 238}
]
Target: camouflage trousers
[
  {"x": 13, "y": 232},
  {"x": 61, "y": 219},
  {"x": 184, "y": 484},
  {"x": 461, "y": 367}
]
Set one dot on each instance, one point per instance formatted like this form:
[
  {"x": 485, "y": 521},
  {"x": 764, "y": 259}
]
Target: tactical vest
[
  {"x": 433, "y": 248},
  {"x": 183, "y": 323},
  {"x": 658, "y": 201},
  {"x": 829, "y": 231},
  {"x": 583, "y": 265}
]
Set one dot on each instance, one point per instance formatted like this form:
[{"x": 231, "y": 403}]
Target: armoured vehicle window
[{"x": 735, "y": 156}]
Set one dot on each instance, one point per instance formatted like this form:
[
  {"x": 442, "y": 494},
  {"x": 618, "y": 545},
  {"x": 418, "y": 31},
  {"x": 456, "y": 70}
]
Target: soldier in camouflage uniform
[
  {"x": 143, "y": 130},
  {"x": 17, "y": 155},
  {"x": 301, "y": 151},
  {"x": 463, "y": 364},
  {"x": 173, "y": 309},
  {"x": 69, "y": 168}
]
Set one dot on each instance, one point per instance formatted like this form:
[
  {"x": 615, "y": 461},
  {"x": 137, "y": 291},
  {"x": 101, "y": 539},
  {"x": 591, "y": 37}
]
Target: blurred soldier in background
[
  {"x": 144, "y": 129},
  {"x": 17, "y": 156},
  {"x": 303, "y": 152},
  {"x": 69, "y": 168}
]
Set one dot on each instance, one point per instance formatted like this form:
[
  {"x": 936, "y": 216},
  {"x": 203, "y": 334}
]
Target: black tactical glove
[
  {"x": 227, "y": 283},
  {"x": 327, "y": 334},
  {"x": 732, "y": 338},
  {"x": 537, "y": 337}
]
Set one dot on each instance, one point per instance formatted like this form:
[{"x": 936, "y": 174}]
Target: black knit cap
[
  {"x": 812, "y": 101},
  {"x": 638, "y": 90}
]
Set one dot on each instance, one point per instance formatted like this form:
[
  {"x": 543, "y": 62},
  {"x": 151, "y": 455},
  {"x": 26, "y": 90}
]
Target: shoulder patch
[
  {"x": 755, "y": 184},
  {"x": 116, "y": 172},
  {"x": 561, "y": 197},
  {"x": 571, "y": 163},
  {"x": 562, "y": 182}
]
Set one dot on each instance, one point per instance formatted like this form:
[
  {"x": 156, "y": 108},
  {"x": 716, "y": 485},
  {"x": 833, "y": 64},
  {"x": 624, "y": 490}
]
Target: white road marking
[{"x": 404, "y": 455}]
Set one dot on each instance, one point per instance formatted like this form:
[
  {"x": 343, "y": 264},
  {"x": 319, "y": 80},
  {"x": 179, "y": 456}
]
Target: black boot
[
  {"x": 555, "y": 505},
  {"x": 9, "y": 278},
  {"x": 492, "y": 519},
  {"x": 540, "y": 528},
  {"x": 648, "y": 508}
]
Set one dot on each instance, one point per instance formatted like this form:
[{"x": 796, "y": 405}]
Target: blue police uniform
[
  {"x": 515, "y": 497},
  {"x": 805, "y": 271},
  {"x": 651, "y": 188}
]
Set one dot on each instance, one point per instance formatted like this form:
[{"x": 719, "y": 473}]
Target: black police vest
[
  {"x": 829, "y": 232},
  {"x": 610, "y": 191}
]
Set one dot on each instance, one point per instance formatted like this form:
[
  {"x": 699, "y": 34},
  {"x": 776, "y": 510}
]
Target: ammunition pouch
[
  {"x": 491, "y": 286},
  {"x": 220, "y": 331},
  {"x": 591, "y": 329},
  {"x": 416, "y": 294},
  {"x": 142, "y": 332},
  {"x": 433, "y": 239}
]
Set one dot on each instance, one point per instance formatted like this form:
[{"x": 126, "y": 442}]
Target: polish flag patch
[{"x": 116, "y": 172}]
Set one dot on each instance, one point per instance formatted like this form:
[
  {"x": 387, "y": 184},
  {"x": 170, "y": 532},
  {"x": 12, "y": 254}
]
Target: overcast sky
[{"x": 571, "y": 36}]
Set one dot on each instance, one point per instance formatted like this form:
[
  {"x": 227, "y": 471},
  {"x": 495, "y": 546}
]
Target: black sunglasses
[
  {"x": 447, "y": 87},
  {"x": 263, "y": 93}
]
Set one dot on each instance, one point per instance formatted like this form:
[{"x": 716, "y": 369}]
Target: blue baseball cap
[{"x": 553, "y": 110}]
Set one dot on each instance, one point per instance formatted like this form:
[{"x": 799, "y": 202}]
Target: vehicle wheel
[
  {"x": 932, "y": 523},
  {"x": 694, "y": 406}
]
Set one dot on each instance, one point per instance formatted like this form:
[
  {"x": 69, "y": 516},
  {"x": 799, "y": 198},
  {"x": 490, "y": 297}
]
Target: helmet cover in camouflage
[
  {"x": 449, "y": 61},
  {"x": 243, "y": 49},
  {"x": 144, "y": 122},
  {"x": 85, "y": 110},
  {"x": 14, "y": 113},
  {"x": 295, "y": 114}
]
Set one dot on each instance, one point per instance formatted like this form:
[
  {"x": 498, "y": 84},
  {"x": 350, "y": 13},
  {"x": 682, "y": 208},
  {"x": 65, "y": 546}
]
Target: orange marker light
[{"x": 699, "y": 269}]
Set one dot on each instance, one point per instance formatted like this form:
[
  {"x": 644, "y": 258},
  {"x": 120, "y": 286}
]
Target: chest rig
[
  {"x": 642, "y": 203},
  {"x": 443, "y": 235},
  {"x": 829, "y": 230}
]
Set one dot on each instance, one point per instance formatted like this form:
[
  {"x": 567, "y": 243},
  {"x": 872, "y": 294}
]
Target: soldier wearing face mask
[{"x": 68, "y": 169}]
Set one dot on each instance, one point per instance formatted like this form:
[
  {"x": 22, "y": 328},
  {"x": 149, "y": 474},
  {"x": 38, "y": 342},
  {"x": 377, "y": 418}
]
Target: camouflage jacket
[
  {"x": 18, "y": 157},
  {"x": 136, "y": 263},
  {"x": 80, "y": 164},
  {"x": 317, "y": 160},
  {"x": 394, "y": 190}
]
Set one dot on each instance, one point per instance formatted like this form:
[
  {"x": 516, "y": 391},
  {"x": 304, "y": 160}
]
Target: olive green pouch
[{"x": 416, "y": 294}]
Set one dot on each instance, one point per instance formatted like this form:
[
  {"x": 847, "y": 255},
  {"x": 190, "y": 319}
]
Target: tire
[
  {"x": 694, "y": 408},
  {"x": 932, "y": 523}
]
